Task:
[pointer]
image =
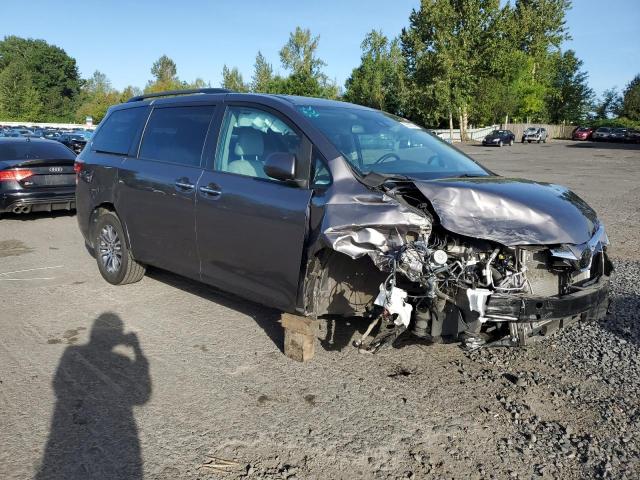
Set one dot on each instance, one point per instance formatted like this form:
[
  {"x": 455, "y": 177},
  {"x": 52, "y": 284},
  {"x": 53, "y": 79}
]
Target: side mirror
[{"x": 281, "y": 166}]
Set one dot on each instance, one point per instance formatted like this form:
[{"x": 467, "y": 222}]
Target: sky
[{"x": 123, "y": 38}]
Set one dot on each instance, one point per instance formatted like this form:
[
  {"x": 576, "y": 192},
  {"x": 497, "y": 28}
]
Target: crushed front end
[
  {"x": 486, "y": 293},
  {"x": 438, "y": 283}
]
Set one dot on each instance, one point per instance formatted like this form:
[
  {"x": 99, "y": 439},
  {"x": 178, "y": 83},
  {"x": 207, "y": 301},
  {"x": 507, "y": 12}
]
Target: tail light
[
  {"x": 15, "y": 175},
  {"x": 77, "y": 168}
]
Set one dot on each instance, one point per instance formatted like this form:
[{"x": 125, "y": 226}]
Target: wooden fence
[{"x": 554, "y": 131}]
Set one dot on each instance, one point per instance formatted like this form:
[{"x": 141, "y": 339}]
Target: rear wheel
[
  {"x": 511, "y": 142},
  {"x": 500, "y": 143},
  {"x": 115, "y": 262}
]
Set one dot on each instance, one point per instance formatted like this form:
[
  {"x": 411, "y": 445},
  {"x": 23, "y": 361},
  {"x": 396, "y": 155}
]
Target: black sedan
[
  {"x": 499, "y": 138},
  {"x": 75, "y": 141},
  {"x": 35, "y": 175}
]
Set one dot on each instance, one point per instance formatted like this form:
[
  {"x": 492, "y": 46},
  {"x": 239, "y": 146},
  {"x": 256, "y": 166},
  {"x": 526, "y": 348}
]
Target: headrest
[{"x": 250, "y": 142}]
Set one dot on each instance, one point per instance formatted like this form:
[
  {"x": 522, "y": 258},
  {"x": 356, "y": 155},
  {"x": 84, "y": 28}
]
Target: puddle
[{"x": 13, "y": 248}]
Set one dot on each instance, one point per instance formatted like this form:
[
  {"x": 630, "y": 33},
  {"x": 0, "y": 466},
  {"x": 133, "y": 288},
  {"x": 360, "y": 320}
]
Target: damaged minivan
[{"x": 324, "y": 208}]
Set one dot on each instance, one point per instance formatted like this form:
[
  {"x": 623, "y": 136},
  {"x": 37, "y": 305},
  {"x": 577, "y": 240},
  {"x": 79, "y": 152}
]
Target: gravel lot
[{"x": 169, "y": 379}]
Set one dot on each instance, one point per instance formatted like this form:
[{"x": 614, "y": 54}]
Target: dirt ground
[{"x": 169, "y": 379}]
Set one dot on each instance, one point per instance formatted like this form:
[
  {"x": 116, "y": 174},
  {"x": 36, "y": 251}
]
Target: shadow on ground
[
  {"x": 336, "y": 333},
  {"x": 27, "y": 217},
  {"x": 624, "y": 318},
  {"x": 266, "y": 318},
  {"x": 93, "y": 431},
  {"x": 607, "y": 145}
]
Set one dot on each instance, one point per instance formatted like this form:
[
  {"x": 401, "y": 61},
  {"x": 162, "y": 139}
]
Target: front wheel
[
  {"x": 500, "y": 143},
  {"x": 115, "y": 262}
]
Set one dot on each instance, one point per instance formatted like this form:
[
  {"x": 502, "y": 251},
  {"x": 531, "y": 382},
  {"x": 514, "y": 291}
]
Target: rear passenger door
[
  {"x": 158, "y": 187},
  {"x": 252, "y": 228}
]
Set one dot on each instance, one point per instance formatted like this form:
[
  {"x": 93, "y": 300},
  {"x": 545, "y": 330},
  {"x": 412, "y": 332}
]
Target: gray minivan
[{"x": 319, "y": 207}]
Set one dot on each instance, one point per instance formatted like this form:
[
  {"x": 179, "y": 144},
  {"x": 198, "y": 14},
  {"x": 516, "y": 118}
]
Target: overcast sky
[{"x": 123, "y": 38}]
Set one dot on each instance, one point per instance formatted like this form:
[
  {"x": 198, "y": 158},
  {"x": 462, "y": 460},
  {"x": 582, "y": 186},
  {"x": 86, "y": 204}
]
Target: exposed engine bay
[{"x": 438, "y": 284}]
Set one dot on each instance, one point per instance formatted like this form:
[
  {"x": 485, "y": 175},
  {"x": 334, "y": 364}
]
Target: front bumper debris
[{"x": 591, "y": 300}]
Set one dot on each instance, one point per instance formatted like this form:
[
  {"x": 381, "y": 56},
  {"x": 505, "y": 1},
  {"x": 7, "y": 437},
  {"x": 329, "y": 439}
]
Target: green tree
[
  {"x": 299, "y": 53},
  {"x": 631, "y": 100},
  {"x": 53, "y": 75},
  {"x": 97, "y": 96},
  {"x": 299, "y": 57},
  {"x": 444, "y": 47},
  {"x": 165, "y": 75},
  {"x": 232, "y": 79},
  {"x": 610, "y": 105},
  {"x": 570, "y": 98},
  {"x": 19, "y": 99},
  {"x": 262, "y": 80},
  {"x": 164, "y": 69},
  {"x": 378, "y": 81}
]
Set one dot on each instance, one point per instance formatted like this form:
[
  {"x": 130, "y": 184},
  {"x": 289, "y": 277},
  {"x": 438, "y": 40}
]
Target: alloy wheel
[{"x": 110, "y": 249}]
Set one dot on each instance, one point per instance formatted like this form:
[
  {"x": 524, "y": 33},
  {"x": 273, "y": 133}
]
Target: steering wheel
[
  {"x": 386, "y": 157},
  {"x": 435, "y": 160}
]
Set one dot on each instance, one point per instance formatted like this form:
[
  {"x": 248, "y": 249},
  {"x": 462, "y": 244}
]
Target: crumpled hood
[{"x": 510, "y": 211}]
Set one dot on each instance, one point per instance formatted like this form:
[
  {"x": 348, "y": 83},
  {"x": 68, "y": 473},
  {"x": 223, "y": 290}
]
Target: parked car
[
  {"x": 75, "y": 141},
  {"x": 499, "y": 138},
  {"x": 12, "y": 133},
  {"x": 633, "y": 136},
  {"x": 51, "y": 135},
  {"x": 601, "y": 133},
  {"x": 319, "y": 207},
  {"x": 35, "y": 175},
  {"x": 534, "y": 134},
  {"x": 618, "y": 135},
  {"x": 582, "y": 133}
]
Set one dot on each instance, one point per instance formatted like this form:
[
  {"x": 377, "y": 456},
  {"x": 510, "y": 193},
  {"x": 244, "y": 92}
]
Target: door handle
[
  {"x": 211, "y": 190},
  {"x": 184, "y": 184}
]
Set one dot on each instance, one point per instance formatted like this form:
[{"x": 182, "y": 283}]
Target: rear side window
[
  {"x": 176, "y": 134},
  {"x": 119, "y": 130}
]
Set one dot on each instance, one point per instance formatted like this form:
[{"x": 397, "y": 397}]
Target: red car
[{"x": 582, "y": 133}]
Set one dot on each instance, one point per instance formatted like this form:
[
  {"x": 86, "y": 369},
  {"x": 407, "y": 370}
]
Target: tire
[
  {"x": 528, "y": 141},
  {"x": 113, "y": 256},
  {"x": 511, "y": 142},
  {"x": 500, "y": 143}
]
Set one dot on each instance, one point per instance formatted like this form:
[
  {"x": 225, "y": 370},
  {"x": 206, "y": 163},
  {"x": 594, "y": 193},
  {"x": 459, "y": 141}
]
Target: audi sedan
[{"x": 35, "y": 175}]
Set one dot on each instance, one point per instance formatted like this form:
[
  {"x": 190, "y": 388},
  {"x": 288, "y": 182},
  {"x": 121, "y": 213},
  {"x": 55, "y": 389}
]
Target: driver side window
[{"x": 247, "y": 138}]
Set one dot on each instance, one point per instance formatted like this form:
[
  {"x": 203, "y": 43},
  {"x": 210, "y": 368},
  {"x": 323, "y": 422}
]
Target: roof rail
[{"x": 171, "y": 93}]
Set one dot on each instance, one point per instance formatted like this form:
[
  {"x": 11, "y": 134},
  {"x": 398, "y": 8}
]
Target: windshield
[
  {"x": 531, "y": 130},
  {"x": 377, "y": 142}
]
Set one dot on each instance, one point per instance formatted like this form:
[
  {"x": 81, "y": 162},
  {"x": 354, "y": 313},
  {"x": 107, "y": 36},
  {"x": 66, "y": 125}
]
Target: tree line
[
  {"x": 475, "y": 61},
  {"x": 457, "y": 63}
]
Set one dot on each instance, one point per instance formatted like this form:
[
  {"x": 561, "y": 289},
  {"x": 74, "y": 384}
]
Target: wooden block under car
[{"x": 299, "y": 337}]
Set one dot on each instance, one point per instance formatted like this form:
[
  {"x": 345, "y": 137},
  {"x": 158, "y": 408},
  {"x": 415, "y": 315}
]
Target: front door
[
  {"x": 252, "y": 228},
  {"x": 158, "y": 188}
]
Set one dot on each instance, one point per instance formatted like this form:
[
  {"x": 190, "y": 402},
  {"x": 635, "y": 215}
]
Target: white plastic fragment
[
  {"x": 395, "y": 302},
  {"x": 478, "y": 301}
]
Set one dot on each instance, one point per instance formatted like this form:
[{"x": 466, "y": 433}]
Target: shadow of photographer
[{"x": 93, "y": 431}]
